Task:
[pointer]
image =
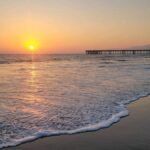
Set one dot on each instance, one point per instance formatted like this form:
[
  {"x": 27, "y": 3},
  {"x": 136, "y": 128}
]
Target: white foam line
[{"x": 104, "y": 124}]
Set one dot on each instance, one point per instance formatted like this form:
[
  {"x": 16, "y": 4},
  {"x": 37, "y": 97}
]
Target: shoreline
[{"x": 120, "y": 135}]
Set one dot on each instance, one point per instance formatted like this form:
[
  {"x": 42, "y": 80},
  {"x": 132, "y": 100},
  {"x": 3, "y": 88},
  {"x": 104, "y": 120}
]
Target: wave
[
  {"x": 101, "y": 125},
  {"x": 20, "y": 58}
]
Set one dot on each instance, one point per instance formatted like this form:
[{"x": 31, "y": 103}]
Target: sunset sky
[{"x": 71, "y": 26}]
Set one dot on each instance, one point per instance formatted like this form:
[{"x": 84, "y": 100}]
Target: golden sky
[{"x": 71, "y": 26}]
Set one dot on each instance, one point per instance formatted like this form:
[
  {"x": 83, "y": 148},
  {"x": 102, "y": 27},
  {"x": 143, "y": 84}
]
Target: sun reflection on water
[
  {"x": 33, "y": 73},
  {"x": 31, "y": 98}
]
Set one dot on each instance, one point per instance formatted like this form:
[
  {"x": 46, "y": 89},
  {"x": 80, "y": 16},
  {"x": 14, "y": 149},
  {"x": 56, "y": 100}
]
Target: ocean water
[{"x": 44, "y": 95}]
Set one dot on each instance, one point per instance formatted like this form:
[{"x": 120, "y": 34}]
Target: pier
[{"x": 118, "y": 52}]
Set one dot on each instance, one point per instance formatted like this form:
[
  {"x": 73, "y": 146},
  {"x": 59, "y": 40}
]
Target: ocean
[{"x": 45, "y": 95}]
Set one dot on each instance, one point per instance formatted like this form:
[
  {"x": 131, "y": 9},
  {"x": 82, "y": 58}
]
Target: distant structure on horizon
[{"x": 122, "y": 52}]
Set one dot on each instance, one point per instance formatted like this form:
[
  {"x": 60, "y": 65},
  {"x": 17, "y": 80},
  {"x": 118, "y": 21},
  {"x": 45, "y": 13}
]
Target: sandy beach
[{"x": 131, "y": 133}]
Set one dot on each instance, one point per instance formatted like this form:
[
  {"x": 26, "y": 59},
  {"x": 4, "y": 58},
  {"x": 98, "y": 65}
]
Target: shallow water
[{"x": 45, "y": 95}]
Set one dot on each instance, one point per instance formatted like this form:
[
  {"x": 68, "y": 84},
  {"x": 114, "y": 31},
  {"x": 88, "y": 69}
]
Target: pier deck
[{"x": 122, "y": 52}]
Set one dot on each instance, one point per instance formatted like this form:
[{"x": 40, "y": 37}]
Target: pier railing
[{"x": 122, "y": 52}]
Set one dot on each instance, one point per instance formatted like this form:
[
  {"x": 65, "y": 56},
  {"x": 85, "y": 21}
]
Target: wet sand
[{"x": 131, "y": 133}]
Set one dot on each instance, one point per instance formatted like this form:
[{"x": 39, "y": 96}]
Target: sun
[
  {"x": 31, "y": 45},
  {"x": 31, "y": 48}
]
